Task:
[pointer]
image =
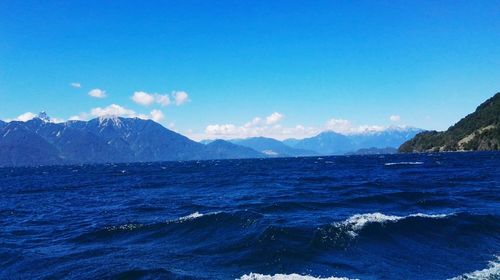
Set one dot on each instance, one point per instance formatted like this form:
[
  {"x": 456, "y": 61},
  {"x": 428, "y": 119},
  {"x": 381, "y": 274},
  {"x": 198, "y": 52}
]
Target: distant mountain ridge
[
  {"x": 333, "y": 143},
  {"x": 102, "y": 140},
  {"x": 272, "y": 147},
  {"x": 115, "y": 139},
  {"x": 222, "y": 149},
  {"x": 328, "y": 142},
  {"x": 478, "y": 131}
]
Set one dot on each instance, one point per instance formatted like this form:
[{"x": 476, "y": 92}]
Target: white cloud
[
  {"x": 143, "y": 98},
  {"x": 255, "y": 122},
  {"x": 395, "y": 118},
  {"x": 346, "y": 127},
  {"x": 146, "y": 99},
  {"x": 369, "y": 129},
  {"x": 29, "y": 116},
  {"x": 180, "y": 97},
  {"x": 266, "y": 127},
  {"x": 97, "y": 93},
  {"x": 113, "y": 110},
  {"x": 157, "y": 115},
  {"x": 339, "y": 125},
  {"x": 75, "y": 85},
  {"x": 163, "y": 100},
  {"x": 25, "y": 117},
  {"x": 81, "y": 117},
  {"x": 221, "y": 129},
  {"x": 229, "y": 131},
  {"x": 274, "y": 118}
]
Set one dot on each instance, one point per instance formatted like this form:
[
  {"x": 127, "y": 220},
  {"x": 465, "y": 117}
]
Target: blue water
[{"x": 433, "y": 216}]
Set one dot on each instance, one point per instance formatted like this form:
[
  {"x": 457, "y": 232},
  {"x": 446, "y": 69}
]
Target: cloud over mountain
[
  {"x": 115, "y": 110},
  {"x": 25, "y": 117}
]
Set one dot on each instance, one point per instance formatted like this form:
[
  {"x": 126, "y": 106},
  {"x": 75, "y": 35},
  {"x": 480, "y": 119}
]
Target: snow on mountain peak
[{"x": 110, "y": 120}]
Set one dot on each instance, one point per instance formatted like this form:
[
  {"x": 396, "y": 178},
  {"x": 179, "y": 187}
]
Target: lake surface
[{"x": 426, "y": 216}]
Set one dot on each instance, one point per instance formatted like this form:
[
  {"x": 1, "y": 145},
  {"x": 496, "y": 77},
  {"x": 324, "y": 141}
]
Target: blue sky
[{"x": 244, "y": 68}]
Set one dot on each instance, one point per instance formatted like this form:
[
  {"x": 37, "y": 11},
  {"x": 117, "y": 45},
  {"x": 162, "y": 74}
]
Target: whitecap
[
  {"x": 191, "y": 216},
  {"x": 195, "y": 215},
  {"x": 293, "y": 276},
  {"x": 358, "y": 221},
  {"x": 490, "y": 273},
  {"x": 404, "y": 163}
]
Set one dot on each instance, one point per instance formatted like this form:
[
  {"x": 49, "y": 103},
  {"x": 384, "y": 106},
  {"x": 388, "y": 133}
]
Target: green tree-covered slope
[{"x": 479, "y": 131}]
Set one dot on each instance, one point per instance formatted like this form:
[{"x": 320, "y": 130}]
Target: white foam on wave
[
  {"x": 293, "y": 276},
  {"x": 358, "y": 221},
  {"x": 490, "y": 273},
  {"x": 192, "y": 216},
  {"x": 404, "y": 163},
  {"x": 196, "y": 215}
]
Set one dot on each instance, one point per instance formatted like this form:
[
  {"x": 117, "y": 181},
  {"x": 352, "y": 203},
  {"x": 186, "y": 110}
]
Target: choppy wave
[
  {"x": 294, "y": 217},
  {"x": 190, "y": 221},
  {"x": 404, "y": 163},
  {"x": 359, "y": 221},
  {"x": 133, "y": 226},
  {"x": 192, "y": 216},
  {"x": 490, "y": 273},
  {"x": 293, "y": 276}
]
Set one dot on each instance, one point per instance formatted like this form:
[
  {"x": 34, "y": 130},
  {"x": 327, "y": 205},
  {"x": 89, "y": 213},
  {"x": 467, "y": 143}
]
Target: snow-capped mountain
[
  {"x": 41, "y": 141},
  {"x": 333, "y": 143},
  {"x": 107, "y": 139}
]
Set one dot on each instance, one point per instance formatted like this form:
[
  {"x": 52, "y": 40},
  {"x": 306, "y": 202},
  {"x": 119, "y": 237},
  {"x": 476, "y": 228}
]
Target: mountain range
[
  {"x": 332, "y": 143},
  {"x": 329, "y": 143},
  {"x": 102, "y": 140},
  {"x": 115, "y": 139},
  {"x": 478, "y": 131}
]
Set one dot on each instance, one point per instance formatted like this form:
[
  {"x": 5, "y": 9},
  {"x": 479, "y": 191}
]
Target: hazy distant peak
[{"x": 382, "y": 130}]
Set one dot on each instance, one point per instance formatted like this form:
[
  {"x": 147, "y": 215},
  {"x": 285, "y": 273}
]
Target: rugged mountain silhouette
[
  {"x": 115, "y": 139},
  {"x": 478, "y": 131},
  {"x": 106, "y": 139}
]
